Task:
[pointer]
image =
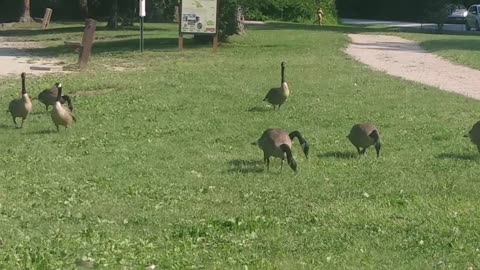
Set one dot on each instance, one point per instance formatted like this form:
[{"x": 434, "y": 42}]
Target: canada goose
[
  {"x": 278, "y": 96},
  {"x": 20, "y": 107},
  {"x": 60, "y": 115},
  {"x": 474, "y": 135},
  {"x": 277, "y": 142},
  {"x": 49, "y": 97},
  {"x": 363, "y": 136}
]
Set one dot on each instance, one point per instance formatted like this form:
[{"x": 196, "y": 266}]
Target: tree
[
  {"x": 26, "y": 18},
  {"x": 84, "y": 8},
  {"x": 113, "y": 20},
  {"x": 437, "y": 12}
]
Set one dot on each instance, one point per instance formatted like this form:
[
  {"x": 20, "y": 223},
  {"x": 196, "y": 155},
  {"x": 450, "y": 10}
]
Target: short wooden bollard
[
  {"x": 87, "y": 42},
  {"x": 46, "y": 18}
]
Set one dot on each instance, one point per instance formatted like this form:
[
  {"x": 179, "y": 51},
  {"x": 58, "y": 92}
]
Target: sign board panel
[
  {"x": 142, "y": 12},
  {"x": 199, "y": 17}
]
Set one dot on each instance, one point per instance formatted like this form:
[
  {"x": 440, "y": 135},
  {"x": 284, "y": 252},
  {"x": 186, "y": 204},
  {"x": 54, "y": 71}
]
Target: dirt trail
[
  {"x": 406, "y": 59},
  {"x": 15, "y": 60}
]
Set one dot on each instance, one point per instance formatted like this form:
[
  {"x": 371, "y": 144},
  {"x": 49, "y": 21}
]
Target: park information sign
[{"x": 199, "y": 17}]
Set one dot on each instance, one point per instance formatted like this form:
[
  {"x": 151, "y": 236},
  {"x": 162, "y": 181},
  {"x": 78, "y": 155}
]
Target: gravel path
[
  {"x": 406, "y": 59},
  {"x": 15, "y": 60}
]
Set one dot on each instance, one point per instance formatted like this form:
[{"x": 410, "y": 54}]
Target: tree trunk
[
  {"x": 26, "y": 18},
  {"x": 240, "y": 20},
  {"x": 113, "y": 20},
  {"x": 84, "y": 7}
]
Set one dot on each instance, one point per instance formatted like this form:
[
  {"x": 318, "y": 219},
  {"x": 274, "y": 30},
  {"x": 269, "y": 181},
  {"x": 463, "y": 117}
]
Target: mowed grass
[{"x": 159, "y": 169}]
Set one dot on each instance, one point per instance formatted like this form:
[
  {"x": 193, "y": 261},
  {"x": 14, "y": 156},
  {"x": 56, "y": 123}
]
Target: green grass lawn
[{"x": 159, "y": 169}]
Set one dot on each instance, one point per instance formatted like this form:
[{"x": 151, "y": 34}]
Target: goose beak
[
  {"x": 306, "y": 149},
  {"x": 293, "y": 165},
  {"x": 378, "y": 145}
]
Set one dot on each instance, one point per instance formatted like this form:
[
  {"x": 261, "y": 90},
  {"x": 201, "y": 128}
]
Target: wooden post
[
  {"x": 87, "y": 42},
  {"x": 180, "y": 42},
  {"x": 215, "y": 42},
  {"x": 46, "y": 18}
]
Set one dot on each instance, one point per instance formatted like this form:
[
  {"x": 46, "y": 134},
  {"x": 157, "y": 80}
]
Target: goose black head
[
  {"x": 306, "y": 149},
  {"x": 293, "y": 164},
  {"x": 378, "y": 145},
  {"x": 69, "y": 102}
]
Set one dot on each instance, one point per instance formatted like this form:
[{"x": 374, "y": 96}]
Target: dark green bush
[{"x": 289, "y": 10}]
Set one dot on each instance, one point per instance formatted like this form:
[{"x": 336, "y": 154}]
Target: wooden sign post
[
  {"x": 198, "y": 17},
  {"x": 87, "y": 42},
  {"x": 46, "y": 18}
]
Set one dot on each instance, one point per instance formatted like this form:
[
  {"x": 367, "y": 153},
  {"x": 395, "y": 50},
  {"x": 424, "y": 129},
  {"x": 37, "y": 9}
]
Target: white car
[{"x": 473, "y": 18}]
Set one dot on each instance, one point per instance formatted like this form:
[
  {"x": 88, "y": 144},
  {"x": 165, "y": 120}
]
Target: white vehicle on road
[{"x": 473, "y": 18}]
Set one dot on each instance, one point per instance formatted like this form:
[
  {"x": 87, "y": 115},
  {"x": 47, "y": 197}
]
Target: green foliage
[{"x": 289, "y": 10}]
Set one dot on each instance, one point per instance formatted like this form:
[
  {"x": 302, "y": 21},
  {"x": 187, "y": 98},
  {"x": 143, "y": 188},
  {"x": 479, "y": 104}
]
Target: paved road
[{"x": 448, "y": 27}]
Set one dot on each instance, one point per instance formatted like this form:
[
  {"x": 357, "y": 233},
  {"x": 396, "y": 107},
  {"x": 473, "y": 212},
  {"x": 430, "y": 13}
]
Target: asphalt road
[{"x": 447, "y": 27}]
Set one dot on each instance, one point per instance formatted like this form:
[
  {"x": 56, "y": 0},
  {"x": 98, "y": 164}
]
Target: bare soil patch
[
  {"x": 15, "y": 60},
  {"x": 406, "y": 59}
]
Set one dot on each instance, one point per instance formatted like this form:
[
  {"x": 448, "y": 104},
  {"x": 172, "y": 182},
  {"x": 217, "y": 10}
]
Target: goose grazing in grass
[
  {"x": 20, "y": 107},
  {"x": 363, "y": 136},
  {"x": 49, "y": 97},
  {"x": 277, "y": 142},
  {"x": 474, "y": 135},
  {"x": 278, "y": 96},
  {"x": 61, "y": 116}
]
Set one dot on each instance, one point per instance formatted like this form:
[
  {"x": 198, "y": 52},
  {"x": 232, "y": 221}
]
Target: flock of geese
[
  {"x": 275, "y": 142},
  {"x": 61, "y": 116}
]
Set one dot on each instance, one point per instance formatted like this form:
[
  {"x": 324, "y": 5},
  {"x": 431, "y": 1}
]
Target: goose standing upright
[
  {"x": 278, "y": 96},
  {"x": 363, "y": 136},
  {"x": 49, "y": 97},
  {"x": 60, "y": 115},
  {"x": 20, "y": 107},
  {"x": 277, "y": 142}
]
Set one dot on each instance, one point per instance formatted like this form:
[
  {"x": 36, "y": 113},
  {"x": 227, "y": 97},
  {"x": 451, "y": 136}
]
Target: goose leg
[
  {"x": 46, "y": 108},
  {"x": 281, "y": 166},
  {"x": 21, "y": 125},
  {"x": 478, "y": 147},
  {"x": 58, "y": 130},
  {"x": 14, "y": 121},
  {"x": 279, "y": 106},
  {"x": 266, "y": 161},
  {"x": 358, "y": 150},
  {"x": 364, "y": 151}
]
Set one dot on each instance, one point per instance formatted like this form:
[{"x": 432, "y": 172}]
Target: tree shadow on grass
[
  {"x": 459, "y": 156},
  {"x": 122, "y": 45},
  {"x": 452, "y": 44},
  {"x": 70, "y": 29},
  {"x": 339, "y": 154},
  {"x": 352, "y": 29},
  {"x": 245, "y": 166}
]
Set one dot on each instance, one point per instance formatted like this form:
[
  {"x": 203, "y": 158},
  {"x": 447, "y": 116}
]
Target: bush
[{"x": 289, "y": 10}]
